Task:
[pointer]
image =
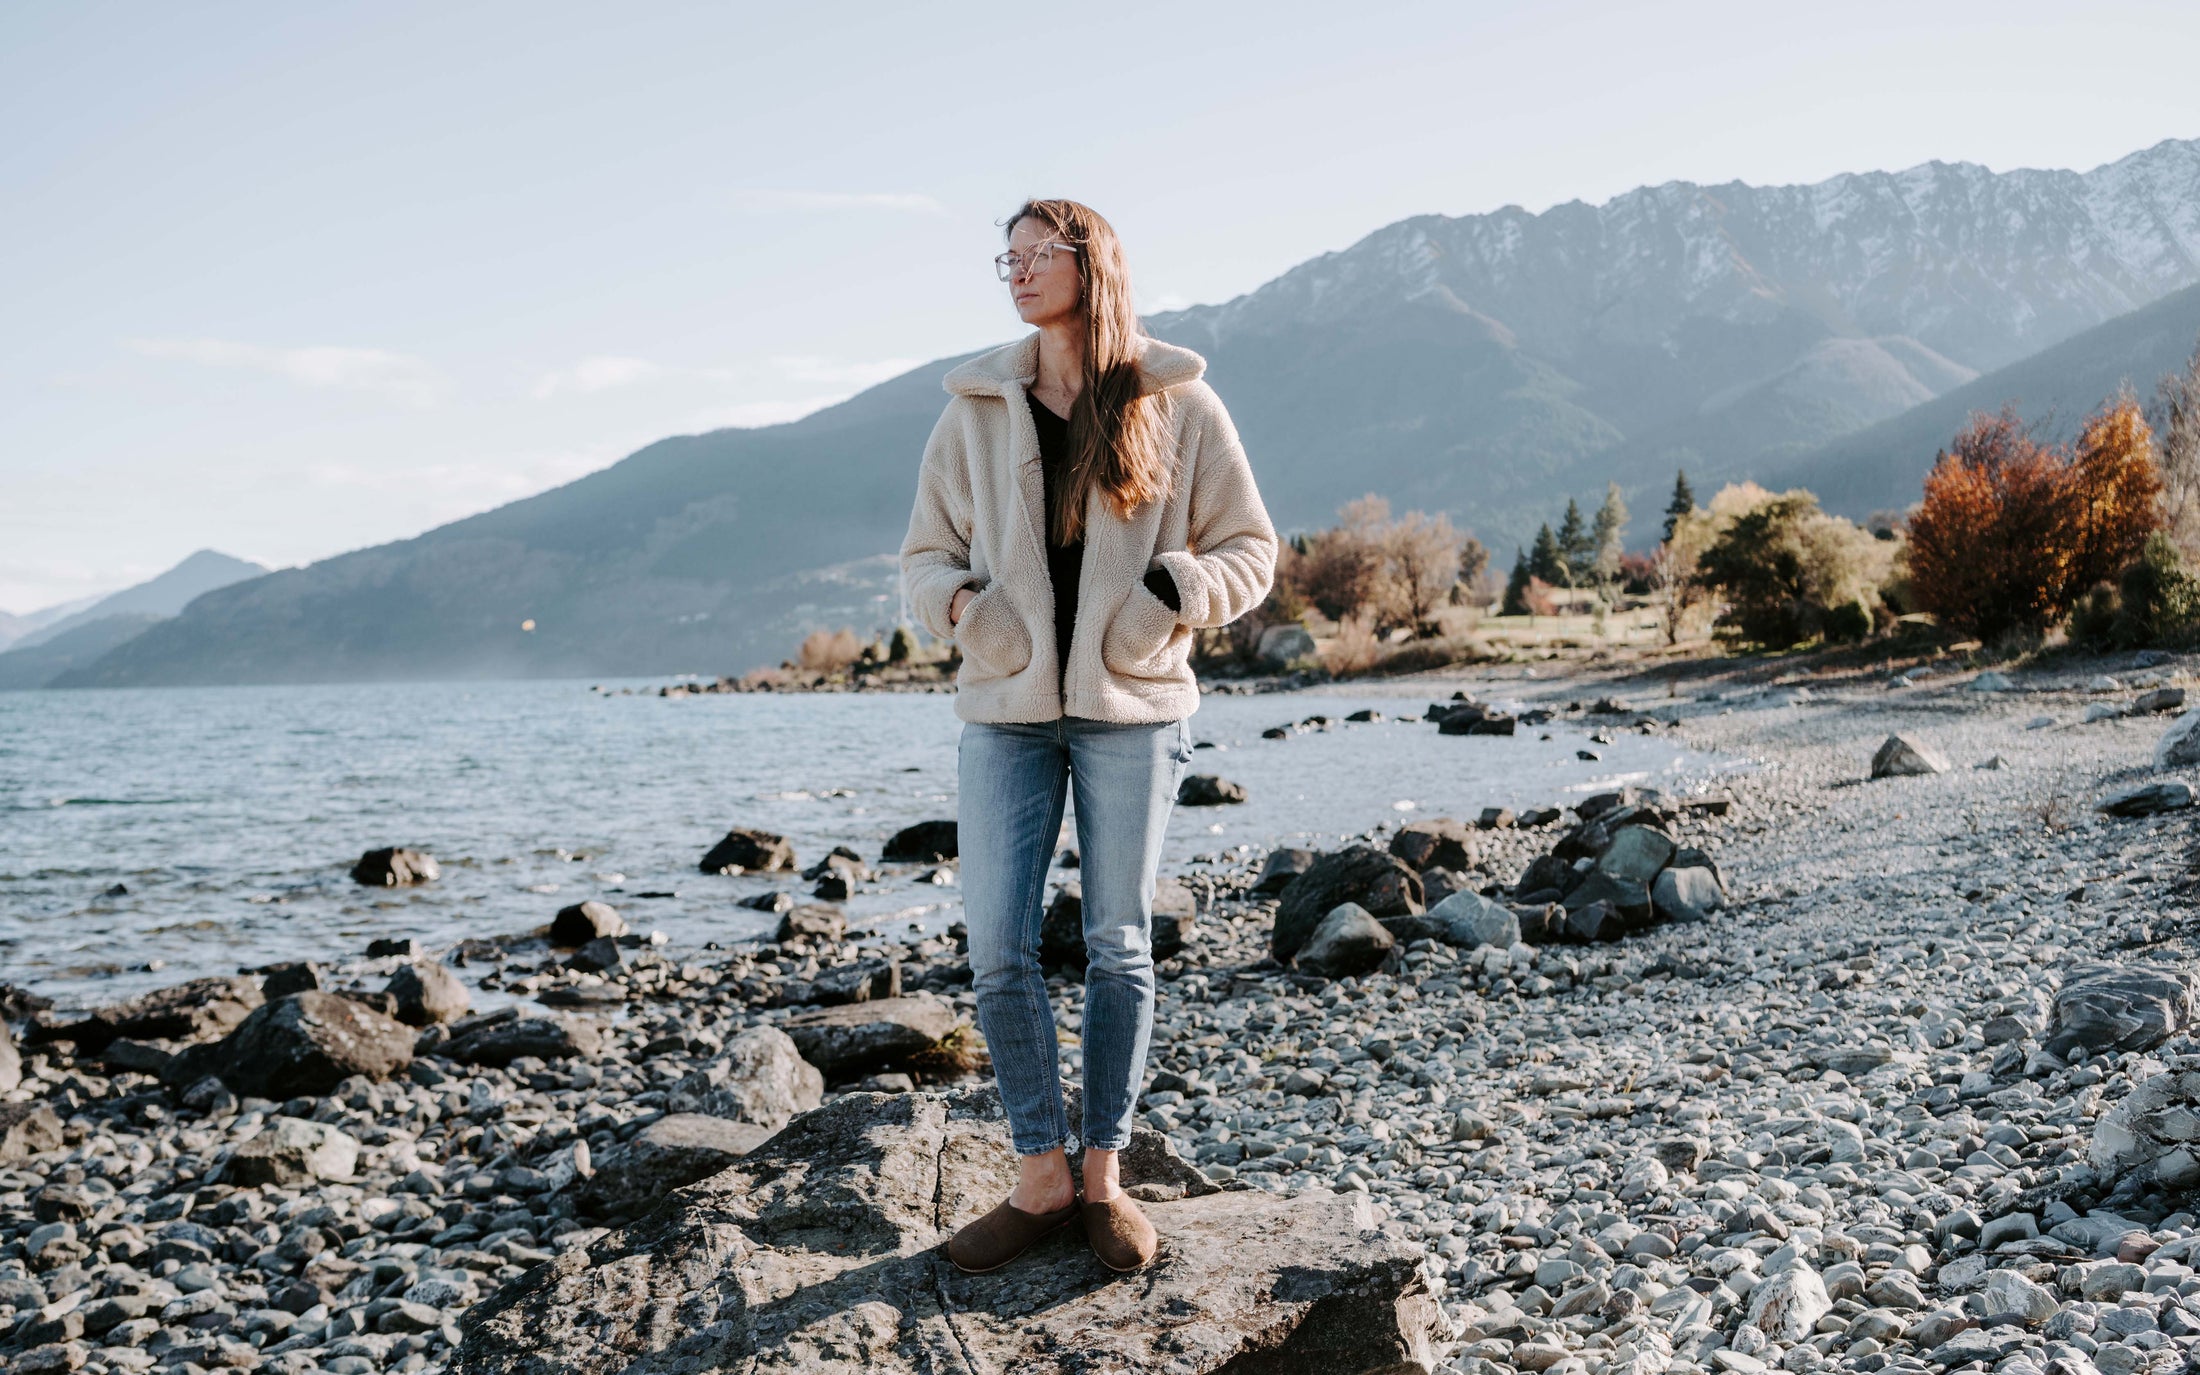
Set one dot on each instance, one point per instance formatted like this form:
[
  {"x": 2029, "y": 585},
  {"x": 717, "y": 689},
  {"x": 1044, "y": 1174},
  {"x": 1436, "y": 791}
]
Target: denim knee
[
  {"x": 996, "y": 965},
  {"x": 1119, "y": 950}
]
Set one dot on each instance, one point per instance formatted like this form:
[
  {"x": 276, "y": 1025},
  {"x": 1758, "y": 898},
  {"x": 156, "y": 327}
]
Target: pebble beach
[{"x": 1915, "y": 1096}]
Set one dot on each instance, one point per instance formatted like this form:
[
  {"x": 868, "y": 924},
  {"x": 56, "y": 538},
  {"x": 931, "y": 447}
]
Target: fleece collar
[{"x": 1160, "y": 366}]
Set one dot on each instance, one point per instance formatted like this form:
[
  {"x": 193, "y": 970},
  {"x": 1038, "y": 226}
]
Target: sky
[{"x": 285, "y": 280}]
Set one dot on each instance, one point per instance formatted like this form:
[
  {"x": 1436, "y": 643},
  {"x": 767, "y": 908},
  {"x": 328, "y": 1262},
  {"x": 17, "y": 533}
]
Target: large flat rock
[{"x": 819, "y": 1252}]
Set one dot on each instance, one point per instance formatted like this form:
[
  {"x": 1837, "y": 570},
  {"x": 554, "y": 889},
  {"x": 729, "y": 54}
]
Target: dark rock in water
[
  {"x": 1207, "y": 790},
  {"x": 841, "y": 859},
  {"x": 427, "y": 993},
  {"x": 670, "y": 1153},
  {"x": 812, "y": 924},
  {"x": 115, "y": 890},
  {"x": 1472, "y": 718},
  {"x": 196, "y": 1011},
  {"x": 27, "y": 1129},
  {"x": 17, "y": 1004},
  {"x": 1347, "y": 942},
  {"x": 748, "y": 851},
  {"x": 760, "y": 1077},
  {"x": 11, "y": 1060},
  {"x": 774, "y": 902},
  {"x": 1174, "y": 914},
  {"x": 1365, "y": 714},
  {"x": 585, "y": 921},
  {"x": 302, "y": 1045},
  {"x": 1537, "y": 817},
  {"x": 927, "y": 842},
  {"x": 394, "y": 867},
  {"x": 834, "y": 885},
  {"x": 1362, "y": 874},
  {"x": 2104, "y": 1007},
  {"x": 1280, "y": 867},
  {"x": 291, "y": 976},
  {"x": 2148, "y": 799},
  {"x": 1495, "y": 819},
  {"x": 597, "y": 956},
  {"x": 848, "y": 1206},
  {"x": 1439, "y": 841},
  {"x": 500, "y": 1037},
  {"x": 854, "y": 1040},
  {"x": 384, "y": 947}
]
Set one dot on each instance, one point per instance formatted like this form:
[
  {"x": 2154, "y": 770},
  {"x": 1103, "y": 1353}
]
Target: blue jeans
[{"x": 1014, "y": 780}]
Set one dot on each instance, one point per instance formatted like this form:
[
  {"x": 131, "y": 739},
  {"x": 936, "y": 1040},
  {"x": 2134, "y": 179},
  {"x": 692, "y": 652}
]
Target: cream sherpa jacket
[{"x": 980, "y": 521}]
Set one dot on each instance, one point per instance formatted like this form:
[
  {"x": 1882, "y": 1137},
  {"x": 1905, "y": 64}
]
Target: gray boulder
[
  {"x": 670, "y": 1153},
  {"x": 500, "y": 1037},
  {"x": 2148, "y": 799},
  {"x": 1471, "y": 920},
  {"x": 1208, "y": 790},
  {"x": 1901, "y": 756},
  {"x": 11, "y": 1060},
  {"x": 813, "y": 922},
  {"x": 761, "y": 1078},
  {"x": 586, "y": 921},
  {"x": 428, "y": 993},
  {"x": 200, "y": 1010},
  {"x": 289, "y": 1151},
  {"x": 1279, "y": 868},
  {"x": 2152, "y": 1136},
  {"x": 1686, "y": 893},
  {"x": 394, "y": 867},
  {"x": 2179, "y": 746},
  {"x": 885, "y": 1034},
  {"x": 848, "y": 1207},
  {"x": 748, "y": 851},
  {"x": 1439, "y": 842},
  {"x": 1284, "y": 644},
  {"x": 1637, "y": 853},
  {"x": 302, "y": 1045},
  {"x": 1348, "y": 942},
  {"x": 1375, "y": 880},
  {"x": 2107, "y": 1007},
  {"x": 27, "y": 1129},
  {"x": 2163, "y": 699}
]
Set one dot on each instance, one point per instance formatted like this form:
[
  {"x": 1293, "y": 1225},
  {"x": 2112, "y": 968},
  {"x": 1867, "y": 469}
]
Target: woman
[{"x": 1084, "y": 507}]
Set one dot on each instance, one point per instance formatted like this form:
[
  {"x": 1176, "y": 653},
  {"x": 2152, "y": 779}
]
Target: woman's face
[{"x": 1049, "y": 295}]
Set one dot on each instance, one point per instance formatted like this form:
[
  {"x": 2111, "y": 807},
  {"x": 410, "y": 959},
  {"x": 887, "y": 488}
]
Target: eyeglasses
[{"x": 1039, "y": 259}]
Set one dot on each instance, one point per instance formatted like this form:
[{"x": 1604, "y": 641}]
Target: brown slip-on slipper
[
  {"x": 1002, "y": 1235},
  {"x": 1120, "y": 1234}
]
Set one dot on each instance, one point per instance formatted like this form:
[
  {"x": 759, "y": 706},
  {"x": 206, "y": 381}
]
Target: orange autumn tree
[{"x": 2013, "y": 531}]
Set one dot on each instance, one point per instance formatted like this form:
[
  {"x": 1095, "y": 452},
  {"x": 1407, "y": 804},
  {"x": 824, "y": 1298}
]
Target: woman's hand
[{"x": 955, "y": 607}]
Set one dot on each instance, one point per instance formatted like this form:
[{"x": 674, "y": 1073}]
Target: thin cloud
[
  {"x": 395, "y": 375},
  {"x": 595, "y": 375},
  {"x": 904, "y": 202}
]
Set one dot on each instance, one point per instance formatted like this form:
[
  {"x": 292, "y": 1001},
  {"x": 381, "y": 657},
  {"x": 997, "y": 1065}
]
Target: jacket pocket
[
  {"x": 1145, "y": 640},
  {"x": 993, "y": 639}
]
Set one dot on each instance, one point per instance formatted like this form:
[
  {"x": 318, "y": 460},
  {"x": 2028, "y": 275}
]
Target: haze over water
[{"x": 232, "y": 815}]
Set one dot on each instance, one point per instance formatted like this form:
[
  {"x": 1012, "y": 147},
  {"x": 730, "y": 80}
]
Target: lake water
[{"x": 232, "y": 815}]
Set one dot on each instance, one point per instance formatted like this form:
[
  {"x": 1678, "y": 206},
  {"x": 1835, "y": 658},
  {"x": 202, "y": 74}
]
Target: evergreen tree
[
  {"x": 1682, "y": 504},
  {"x": 1544, "y": 559},
  {"x": 1516, "y": 586},
  {"x": 1577, "y": 552},
  {"x": 1608, "y": 534}
]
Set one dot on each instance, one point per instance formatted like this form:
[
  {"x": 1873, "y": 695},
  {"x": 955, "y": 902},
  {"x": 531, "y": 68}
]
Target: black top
[{"x": 1066, "y": 561}]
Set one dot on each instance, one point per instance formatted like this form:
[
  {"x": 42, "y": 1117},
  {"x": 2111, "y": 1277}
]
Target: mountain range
[
  {"x": 1486, "y": 365},
  {"x": 73, "y": 636}
]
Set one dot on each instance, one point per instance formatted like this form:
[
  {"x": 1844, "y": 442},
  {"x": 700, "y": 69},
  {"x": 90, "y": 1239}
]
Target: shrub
[
  {"x": 2158, "y": 601},
  {"x": 1790, "y": 572},
  {"x": 1356, "y": 649},
  {"x": 830, "y": 651},
  {"x": 2012, "y": 532}
]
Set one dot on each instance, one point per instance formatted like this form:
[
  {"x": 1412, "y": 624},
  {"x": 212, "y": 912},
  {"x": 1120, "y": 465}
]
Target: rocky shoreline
[{"x": 1896, "y": 1074}]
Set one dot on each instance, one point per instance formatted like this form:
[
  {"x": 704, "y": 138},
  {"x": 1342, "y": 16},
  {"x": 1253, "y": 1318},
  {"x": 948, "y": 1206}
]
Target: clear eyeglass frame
[{"x": 1038, "y": 260}]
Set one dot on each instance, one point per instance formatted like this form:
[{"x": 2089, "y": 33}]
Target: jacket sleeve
[
  {"x": 935, "y": 554},
  {"x": 1232, "y": 560}
]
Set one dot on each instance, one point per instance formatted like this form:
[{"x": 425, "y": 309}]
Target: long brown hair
[{"x": 1117, "y": 439}]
